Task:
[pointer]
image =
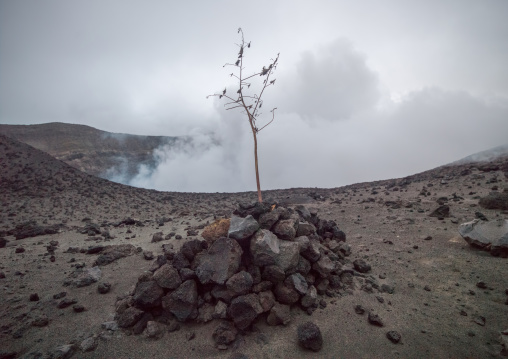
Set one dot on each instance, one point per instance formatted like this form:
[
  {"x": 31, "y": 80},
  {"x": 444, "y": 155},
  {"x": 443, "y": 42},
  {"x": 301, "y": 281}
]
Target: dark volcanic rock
[
  {"x": 220, "y": 262},
  {"x": 273, "y": 273},
  {"x": 393, "y": 336},
  {"x": 242, "y": 228},
  {"x": 374, "y": 319},
  {"x": 239, "y": 283},
  {"x": 361, "y": 266},
  {"x": 157, "y": 237},
  {"x": 225, "y": 333},
  {"x": 244, "y": 309},
  {"x": 32, "y": 229},
  {"x": 183, "y": 301},
  {"x": 104, "y": 288},
  {"x": 191, "y": 248},
  {"x": 441, "y": 212},
  {"x": 254, "y": 209},
  {"x": 83, "y": 277},
  {"x": 113, "y": 253},
  {"x": 147, "y": 294},
  {"x": 264, "y": 248},
  {"x": 286, "y": 229},
  {"x": 129, "y": 317},
  {"x": 495, "y": 200},
  {"x": 279, "y": 314},
  {"x": 167, "y": 277},
  {"x": 309, "y": 336}
]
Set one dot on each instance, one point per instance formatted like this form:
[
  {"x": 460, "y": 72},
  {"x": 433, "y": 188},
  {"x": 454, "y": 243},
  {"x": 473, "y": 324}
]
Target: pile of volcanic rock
[{"x": 272, "y": 258}]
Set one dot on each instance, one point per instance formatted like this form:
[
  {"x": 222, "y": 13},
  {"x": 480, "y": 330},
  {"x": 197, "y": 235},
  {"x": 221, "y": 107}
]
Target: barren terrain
[{"x": 449, "y": 300}]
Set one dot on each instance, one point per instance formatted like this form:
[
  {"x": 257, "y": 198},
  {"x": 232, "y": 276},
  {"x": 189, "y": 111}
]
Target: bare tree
[{"x": 248, "y": 100}]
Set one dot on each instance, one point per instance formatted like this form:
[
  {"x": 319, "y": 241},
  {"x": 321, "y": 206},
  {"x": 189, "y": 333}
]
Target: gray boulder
[
  {"x": 288, "y": 256},
  {"x": 183, "y": 301},
  {"x": 129, "y": 317},
  {"x": 485, "y": 235},
  {"x": 83, "y": 277},
  {"x": 495, "y": 200},
  {"x": 264, "y": 248},
  {"x": 167, "y": 277},
  {"x": 298, "y": 283},
  {"x": 310, "y": 299},
  {"x": 286, "y": 229},
  {"x": 324, "y": 266},
  {"x": 239, "y": 283},
  {"x": 268, "y": 219},
  {"x": 147, "y": 294},
  {"x": 305, "y": 229},
  {"x": 220, "y": 262},
  {"x": 242, "y": 228},
  {"x": 279, "y": 315}
]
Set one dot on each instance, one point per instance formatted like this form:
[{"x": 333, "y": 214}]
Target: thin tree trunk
[{"x": 260, "y": 198}]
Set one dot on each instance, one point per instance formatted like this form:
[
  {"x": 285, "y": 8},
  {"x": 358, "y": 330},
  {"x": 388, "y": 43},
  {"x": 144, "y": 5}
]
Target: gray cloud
[
  {"x": 146, "y": 68},
  {"x": 332, "y": 84}
]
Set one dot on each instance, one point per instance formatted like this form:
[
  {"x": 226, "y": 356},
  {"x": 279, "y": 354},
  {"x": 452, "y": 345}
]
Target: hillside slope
[{"x": 99, "y": 153}]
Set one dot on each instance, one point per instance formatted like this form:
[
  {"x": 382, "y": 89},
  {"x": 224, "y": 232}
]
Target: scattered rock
[
  {"x": 309, "y": 336},
  {"x": 495, "y": 200},
  {"x": 89, "y": 344},
  {"x": 374, "y": 319},
  {"x": 104, "y": 288},
  {"x": 279, "y": 314},
  {"x": 441, "y": 212},
  {"x": 154, "y": 330},
  {"x": 361, "y": 266},
  {"x": 393, "y": 336},
  {"x": 225, "y": 333}
]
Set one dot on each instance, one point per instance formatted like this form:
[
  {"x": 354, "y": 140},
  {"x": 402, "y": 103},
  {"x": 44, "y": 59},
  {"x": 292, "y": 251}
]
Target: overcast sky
[{"x": 365, "y": 90}]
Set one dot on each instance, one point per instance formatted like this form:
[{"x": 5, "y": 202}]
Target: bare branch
[{"x": 273, "y": 117}]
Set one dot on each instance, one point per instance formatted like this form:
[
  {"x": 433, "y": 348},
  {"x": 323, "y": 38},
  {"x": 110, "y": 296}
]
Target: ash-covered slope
[{"x": 99, "y": 153}]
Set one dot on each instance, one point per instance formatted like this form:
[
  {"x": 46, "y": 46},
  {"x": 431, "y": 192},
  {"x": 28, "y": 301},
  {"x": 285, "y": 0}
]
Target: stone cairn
[{"x": 272, "y": 258}]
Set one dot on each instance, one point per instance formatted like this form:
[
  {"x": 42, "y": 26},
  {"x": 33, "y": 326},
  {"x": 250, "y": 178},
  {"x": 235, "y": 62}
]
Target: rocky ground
[{"x": 444, "y": 298}]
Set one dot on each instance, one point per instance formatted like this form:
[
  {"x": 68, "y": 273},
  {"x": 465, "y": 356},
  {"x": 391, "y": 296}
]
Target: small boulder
[
  {"x": 264, "y": 248},
  {"x": 242, "y": 228},
  {"x": 239, "y": 283},
  {"x": 157, "y": 237},
  {"x": 225, "y": 333},
  {"x": 309, "y": 336},
  {"x": 104, "y": 287},
  {"x": 441, "y": 212},
  {"x": 280, "y": 314},
  {"x": 220, "y": 262},
  {"x": 147, "y": 294},
  {"x": 361, "y": 266},
  {"x": 167, "y": 277},
  {"x": 183, "y": 301},
  {"x": 154, "y": 330},
  {"x": 286, "y": 229},
  {"x": 244, "y": 310}
]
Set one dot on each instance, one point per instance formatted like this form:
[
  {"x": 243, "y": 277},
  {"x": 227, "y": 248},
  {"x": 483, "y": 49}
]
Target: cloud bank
[{"x": 334, "y": 126}]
